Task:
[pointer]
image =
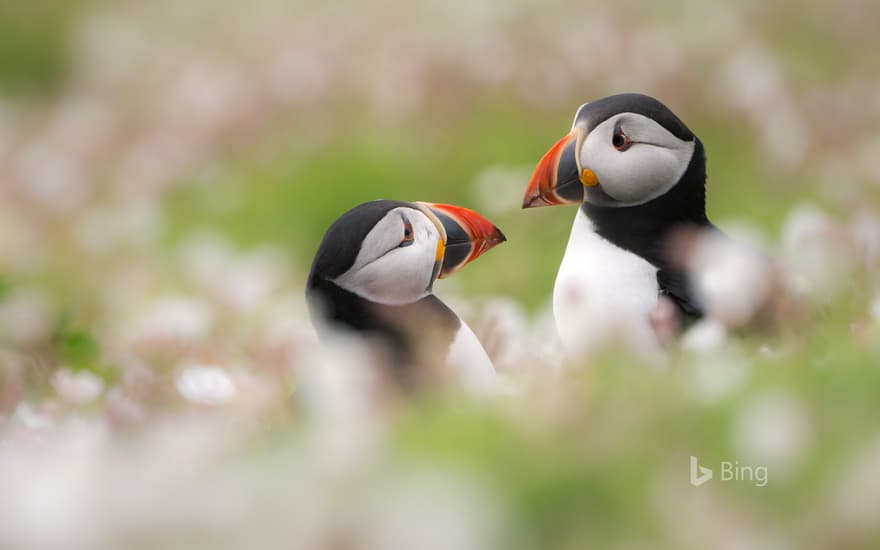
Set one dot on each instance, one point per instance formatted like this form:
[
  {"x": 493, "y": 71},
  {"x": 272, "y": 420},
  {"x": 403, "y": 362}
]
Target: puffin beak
[
  {"x": 465, "y": 235},
  {"x": 558, "y": 177}
]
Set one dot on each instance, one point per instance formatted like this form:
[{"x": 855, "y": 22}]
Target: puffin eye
[
  {"x": 408, "y": 234},
  {"x": 619, "y": 139}
]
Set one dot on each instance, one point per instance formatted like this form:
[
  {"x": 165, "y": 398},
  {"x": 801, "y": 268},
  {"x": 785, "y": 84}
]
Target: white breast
[
  {"x": 470, "y": 362},
  {"x": 604, "y": 295}
]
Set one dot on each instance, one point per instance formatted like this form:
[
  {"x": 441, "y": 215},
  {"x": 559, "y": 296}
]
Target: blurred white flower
[
  {"x": 252, "y": 279},
  {"x": 340, "y": 390},
  {"x": 773, "y": 429},
  {"x": 205, "y": 384},
  {"x": 287, "y": 338},
  {"x": 243, "y": 281},
  {"x": 56, "y": 488},
  {"x": 817, "y": 253},
  {"x": 32, "y": 419},
  {"x": 204, "y": 255},
  {"x": 704, "y": 337},
  {"x": 733, "y": 279},
  {"x": 170, "y": 321},
  {"x": 77, "y": 388},
  {"x": 717, "y": 368},
  {"x": 429, "y": 512}
]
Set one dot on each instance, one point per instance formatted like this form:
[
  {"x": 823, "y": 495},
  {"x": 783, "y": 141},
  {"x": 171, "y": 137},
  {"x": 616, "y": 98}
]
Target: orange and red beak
[
  {"x": 558, "y": 178},
  {"x": 465, "y": 235}
]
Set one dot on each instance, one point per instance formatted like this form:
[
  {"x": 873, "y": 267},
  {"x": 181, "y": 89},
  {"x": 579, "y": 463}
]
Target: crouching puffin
[
  {"x": 638, "y": 174},
  {"x": 373, "y": 274}
]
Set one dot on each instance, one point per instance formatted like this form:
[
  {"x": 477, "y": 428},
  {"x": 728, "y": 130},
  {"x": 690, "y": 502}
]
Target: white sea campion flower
[
  {"x": 243, "y": 281},
  {"x": 705, "y": 336},
  {"x": 77, "y": 388},
  {"x": 733, "y": 279},
  {"x": 435, "y": 511},
  {"x": 817, "y": 252},
  {"x": 170, "y": 321},
  {"x": 773, "y": 429},
  {"x": 206, "y": 384}
]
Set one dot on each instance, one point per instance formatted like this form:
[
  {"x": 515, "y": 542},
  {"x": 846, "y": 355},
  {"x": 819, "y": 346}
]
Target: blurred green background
[
  {"x": 398, "y": 106},
  {"x": 129, "y": 131}
]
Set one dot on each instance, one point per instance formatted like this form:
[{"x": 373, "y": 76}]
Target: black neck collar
[
  {"x": 643, "y": 229},
  {"x": 646, "y": 229}
]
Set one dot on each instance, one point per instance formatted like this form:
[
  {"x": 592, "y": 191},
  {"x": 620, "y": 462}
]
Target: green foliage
[
  {"x": 78, "y": 349},
  {"x": 34, "y": 44}
]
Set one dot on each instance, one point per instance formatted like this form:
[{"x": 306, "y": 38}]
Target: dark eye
[
  {"x": 408, "y": 235},
  {"x": 620, "y": 140}
]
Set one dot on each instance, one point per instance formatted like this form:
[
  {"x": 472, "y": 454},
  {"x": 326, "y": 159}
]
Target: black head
[
  {"x": 374, "y": 270},
  {"x": 343, "y": 240},
  {"x": 590, "y": 115},
  {"x": 390, "y": 252},
  {"x": 622, "y": 150}
]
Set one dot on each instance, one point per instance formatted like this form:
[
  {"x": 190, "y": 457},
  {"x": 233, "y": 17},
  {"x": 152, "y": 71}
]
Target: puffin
[
  {"x": 638, "y": 174},
  {"x": 373, "y": 276}
]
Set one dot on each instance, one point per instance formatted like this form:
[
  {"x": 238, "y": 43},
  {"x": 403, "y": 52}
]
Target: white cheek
[
  {"x": 392, "y": 275},
  {"x": 401, "y": 276},
  {"x": 637, "y": 175}
]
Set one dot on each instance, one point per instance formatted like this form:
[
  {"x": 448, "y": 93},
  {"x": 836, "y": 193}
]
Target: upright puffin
[
  {"x": 638, "y": 174},
  {"x": 373, "y": 275}
]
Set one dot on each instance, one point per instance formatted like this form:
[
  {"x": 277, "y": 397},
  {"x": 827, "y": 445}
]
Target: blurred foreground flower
[
  {"x": 774, "y": 430},
  {"x": 77, "y": 388},
  {"x": 734, "y": 279},
  {"x": 205, "y": 385},
  {"x": 817, "y": 252},
  {"x": 169, "y": 322}
]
